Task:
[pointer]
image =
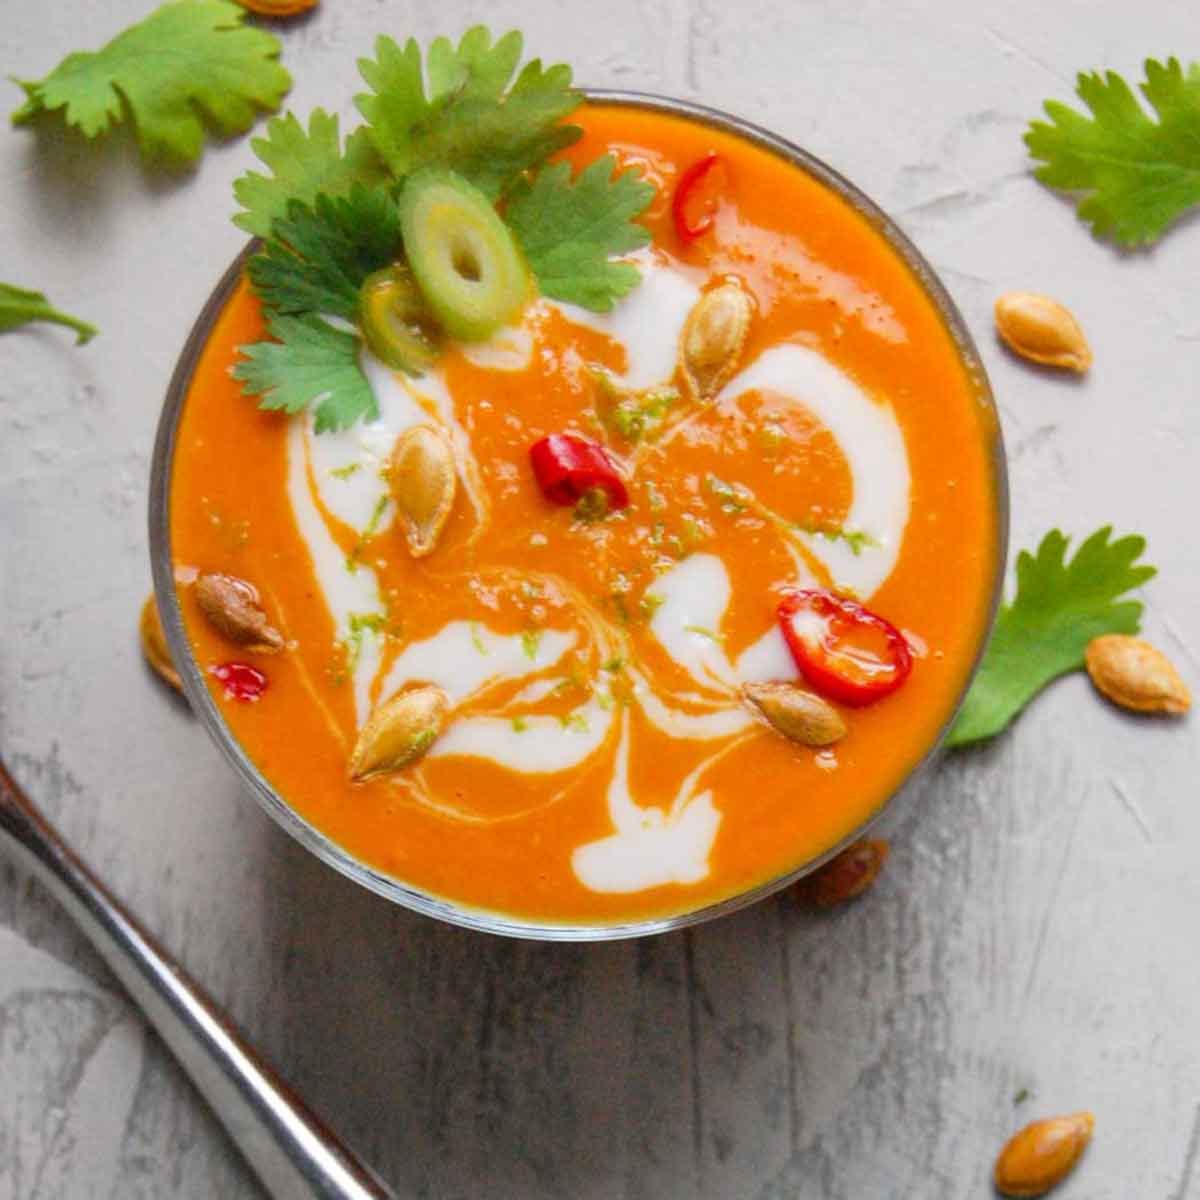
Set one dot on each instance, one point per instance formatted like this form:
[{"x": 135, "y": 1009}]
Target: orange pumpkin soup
[{"x": 591, "y": 741}]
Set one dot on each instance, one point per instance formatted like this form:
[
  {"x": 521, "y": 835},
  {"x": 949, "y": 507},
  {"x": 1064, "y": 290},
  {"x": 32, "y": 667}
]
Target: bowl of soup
[{"x": 680, "y": 692}]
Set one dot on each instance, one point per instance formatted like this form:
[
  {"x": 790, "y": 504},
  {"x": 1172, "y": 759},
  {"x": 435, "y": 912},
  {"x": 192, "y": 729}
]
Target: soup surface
[{"x": 599, "y": 762}]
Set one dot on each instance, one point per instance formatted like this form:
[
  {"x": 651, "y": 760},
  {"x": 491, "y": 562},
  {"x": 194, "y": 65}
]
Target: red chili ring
[
  {"x": 825, "y": 655},
  {"x": 688, "y": 182}
]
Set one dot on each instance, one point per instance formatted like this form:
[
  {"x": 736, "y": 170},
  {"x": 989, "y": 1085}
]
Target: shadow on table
[{"x": 743, "y": 1058}]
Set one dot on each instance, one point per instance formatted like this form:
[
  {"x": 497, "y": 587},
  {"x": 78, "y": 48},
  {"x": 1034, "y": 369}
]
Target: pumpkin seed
[
  {"x": 712, "y": 340},
  {"x": 847, "y": 875},
  {"x": 1136, "y": 675},
  {"x": 423, "y": 482},
  {"x": 278, "y": 8},
  {"x": 231, "y": 607},
  {"x": 1043, "y": 331},
  {"x": 399, "y": 732},
  {"x": 796, "y": 713},
  {"x": 1042, "y": 1154},
  {"x": 154, "y": 645}
]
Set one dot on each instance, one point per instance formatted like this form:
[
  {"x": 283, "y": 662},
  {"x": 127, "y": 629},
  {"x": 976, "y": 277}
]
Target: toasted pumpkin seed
[
  {"x": 154, "y": 645},
  {"x": 796, "y": 713},
  {"x": 1136, "y": 675},
  {"x": 713, "y": 337},
  {"x": 847, "y": 875},
  {"x": 399, "y": 732},
  {"x": 231, "y": 607},
  {"x": 1042, "y": 1154},
  {"x": 278, "y": 8},
  {"x": 423, "y": 481},
  {"x": 1043, "y": 331}
]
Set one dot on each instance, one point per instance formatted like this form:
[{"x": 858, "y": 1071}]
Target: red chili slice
[
  {"x": 242, "y": 681},
  {"x": 569, "y": 467},
  {"x": 690, "y": 193},
  {"x": 845, "y": 651}
]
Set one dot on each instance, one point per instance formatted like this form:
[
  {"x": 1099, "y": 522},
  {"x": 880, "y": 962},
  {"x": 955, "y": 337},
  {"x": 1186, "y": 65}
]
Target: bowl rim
[{"x": 329, "y": 851}]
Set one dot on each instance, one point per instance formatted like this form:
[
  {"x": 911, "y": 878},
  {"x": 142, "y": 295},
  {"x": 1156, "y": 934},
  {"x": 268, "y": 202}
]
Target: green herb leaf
[
  {"x": 303, "y": 164},
  {"x": 531, "y": 639},
  {"x": 18, "y": 307},
  {"x": 570, "y": 230},
  {"x": 309, "y": 363},
  {"x": 1139, "y": 175},
  {"x": 318, "y": 257},
  {"x": 189, "y": 64},
  {"x": 1043, "y": 633},
  {"x": 476, "y": 118}
]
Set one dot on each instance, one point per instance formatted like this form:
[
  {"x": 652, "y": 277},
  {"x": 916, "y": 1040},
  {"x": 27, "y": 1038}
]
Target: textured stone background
[{"x": 1037, "y": 926}]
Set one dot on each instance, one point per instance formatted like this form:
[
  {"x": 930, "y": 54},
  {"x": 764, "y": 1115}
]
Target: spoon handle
[{"x": 290, "y": 1150}]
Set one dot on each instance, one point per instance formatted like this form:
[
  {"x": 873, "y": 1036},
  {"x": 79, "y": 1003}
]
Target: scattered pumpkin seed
[
  {"x": 1043, "y": 331},
  {"x": 154, "y": 645},
  {"x": 1042, "y": 1155},
  {"x": 1136, "y": 675},
  {"x": 423, "y": 482},
  {"x": 278, "y": 8},
  {"x": 713, "y": 337},
  {"x": 797, "y": 714},
  {"x": 231, "y": 606},
  {"x": 399, "y": 732},
  {"x": 847, "y": 875}
]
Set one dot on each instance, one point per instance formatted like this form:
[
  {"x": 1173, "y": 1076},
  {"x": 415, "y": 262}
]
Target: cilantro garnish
[
  {"x": 1043, "y": 633},
  {"x": 570, "y": 229},
  {"x": 1138, "y": 175},
  {"x": 476, "y": 119},
  {"x": 19, "y": 306},
  {"x": 189, "y": 64},
  {"x": 318, "y": 256},
  {"x": 309, "y": 363},
  {"x": 856, "y": 539},
  {"x": 329, "y": 217},
  {"x": 303, "y": 164}
]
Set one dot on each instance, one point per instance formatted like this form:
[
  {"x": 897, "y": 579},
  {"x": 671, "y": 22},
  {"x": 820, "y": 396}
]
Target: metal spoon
[{"x": 289, "y": 1149}]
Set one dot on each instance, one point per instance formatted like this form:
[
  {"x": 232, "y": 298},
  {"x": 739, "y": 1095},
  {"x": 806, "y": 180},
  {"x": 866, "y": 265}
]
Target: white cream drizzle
[
  {"x": 869, "y": 436},
  {"x": 347, "y": 593},
  {"x": 463, "y": 656},
  {"x": 647, "y": 322},
  {"x": 695, "y": 595},
  {"x": 538, "y": 745},
  {"x": 650, "y": 846}
]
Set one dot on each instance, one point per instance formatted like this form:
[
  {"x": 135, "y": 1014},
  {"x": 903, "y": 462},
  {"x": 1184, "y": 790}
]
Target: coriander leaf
[
  {"x": 310, "y": 363},
  {"x": 1042, "y": 634},
  {"x": 318, "y": 257},
  {"x": 19, "y": 306},
  {"x": 471, "y": 120},
  {"x": 1138, "y": 174},
  {"x": 303, "y": 163},
  {"x": 570, "y": 229},
  {"x": 189, "y": 62}
]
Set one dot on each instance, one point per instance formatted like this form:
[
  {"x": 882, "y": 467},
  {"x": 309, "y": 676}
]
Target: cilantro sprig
[
  {"x": 1059, "y": 607},
  {"x": 477, "y": 119},
  {"x": 319, "y": 255},
  {"x": 189, "y": 64},
  {"x": 303, "y": 164},
  {"x": 570, "y": 229},
  {"x": 1135, "y": 175},
  {"x": 327, "y": 208},
  {"x": 309, "y": 364},
  {"x": 20, "y": 306}
]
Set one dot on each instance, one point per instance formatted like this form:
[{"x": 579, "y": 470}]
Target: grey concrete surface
[{"x": 1037, "y": 927}]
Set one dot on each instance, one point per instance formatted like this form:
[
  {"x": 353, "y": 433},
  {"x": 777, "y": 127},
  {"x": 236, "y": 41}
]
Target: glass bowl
[{"x": 394, "y": 889}]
